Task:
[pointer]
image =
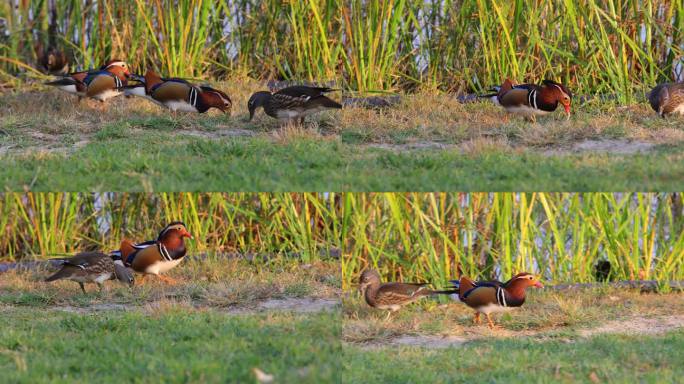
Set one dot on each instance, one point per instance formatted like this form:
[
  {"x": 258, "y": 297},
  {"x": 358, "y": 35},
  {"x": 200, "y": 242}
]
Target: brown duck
[
  {"x": 91, "y": 267},
  {"x": 393, "y": 296},
  {"x": 292, "y": 103},
  {"x": 667, "y": 98}
]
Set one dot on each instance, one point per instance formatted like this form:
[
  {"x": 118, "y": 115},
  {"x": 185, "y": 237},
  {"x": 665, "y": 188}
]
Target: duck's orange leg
[
  {"x": 140, "y": 281},
  {"x": 490, "y": 323},
  {"x": 167, "y": 279},
  {"x": 477, "y": 320}
]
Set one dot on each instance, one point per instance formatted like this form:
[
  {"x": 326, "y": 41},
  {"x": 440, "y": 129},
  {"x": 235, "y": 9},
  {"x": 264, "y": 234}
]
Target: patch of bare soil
[
  {"x": 220, "y": 133},
  {"x": 611, "y": 146},
  {"x": 297, "y": 305},
  {"x": 631, "y": 326},
  {"x": 637, "y": 326},
  {"x": 418, "y": 145},
  {"x": 92, "y": 308}
]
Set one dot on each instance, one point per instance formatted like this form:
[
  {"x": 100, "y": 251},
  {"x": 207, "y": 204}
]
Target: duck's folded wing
[{"x": 172, "y": 91}]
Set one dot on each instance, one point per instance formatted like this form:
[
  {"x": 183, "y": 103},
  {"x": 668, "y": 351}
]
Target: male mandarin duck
[
  {"x": 392, "y": 296},
  {"x": 295, "y": 102},
  {"x": 487, "y": 298},
  {"x": 91, "y": 267},
  {"x": 469, "y": 284},
  {"x": 667, "y": 98},
  {"x": 156, "y": 257},
  {"x": 100, "y": 85},
  {"x": 178, "y": 94},
  {"x": 532, "y": 99}
]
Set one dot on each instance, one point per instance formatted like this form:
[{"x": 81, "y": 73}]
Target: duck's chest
[{"x": 162, "y": 266}]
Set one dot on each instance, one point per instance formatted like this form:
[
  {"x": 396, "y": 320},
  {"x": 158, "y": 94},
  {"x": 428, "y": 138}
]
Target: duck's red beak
[
  {"x": 538, "y": 284},
  {"x": 567, "y": 109}
]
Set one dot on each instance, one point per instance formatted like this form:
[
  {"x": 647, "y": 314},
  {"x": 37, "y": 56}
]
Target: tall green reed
[
  {"x": 434, "y": 237},
  {"x": 616, "y": 46},
  {"x": 278, "y": 225}
]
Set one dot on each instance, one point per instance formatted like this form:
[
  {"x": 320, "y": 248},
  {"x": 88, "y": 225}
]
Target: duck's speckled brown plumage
[
  {"x": 667, "y": 98},
  {"x": 90, "y": 267},
  {"x": 392, "y": 296},
  {"x": 294, "y": 102}
]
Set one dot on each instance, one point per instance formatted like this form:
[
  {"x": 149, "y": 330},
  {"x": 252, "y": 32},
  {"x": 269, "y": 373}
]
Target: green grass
[
  {"x": 618, "y": 335},
  {"x": 606, "y": 358},
  {"x": 152, "y": 163},
  {"x": 175, "y": 345}
]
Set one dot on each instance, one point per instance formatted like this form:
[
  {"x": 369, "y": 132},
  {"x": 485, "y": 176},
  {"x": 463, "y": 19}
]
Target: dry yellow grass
[
  {"x": 544, "y": 312},
  {"x": 38, "y": 117},
  {"x": 229, "y": 283}
]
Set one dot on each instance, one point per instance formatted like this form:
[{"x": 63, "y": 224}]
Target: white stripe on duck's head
[
  {"x": 525, "y": 279},
  {"x": 176, "y": 229},
  {"x": 117, "y": 67},
  {"x": 215, "y": 98}
]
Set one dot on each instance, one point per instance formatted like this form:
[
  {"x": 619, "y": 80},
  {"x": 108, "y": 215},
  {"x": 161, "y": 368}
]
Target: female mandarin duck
[
  {"x": 667, "y": 98},
  {"x": 91, "y": 267},
  {"x": 531, "y": 100},
  {"x": 156, "y": 257},
  {"x": 178, "y": 94},
  {"x": 392, "y": 296},
  {"x": 292, "y": 103},
  {"x": 490, "y": 297},
  {"x": 100, "y": 85}
]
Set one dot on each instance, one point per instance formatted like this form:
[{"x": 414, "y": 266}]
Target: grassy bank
[
  {"x": 546, "y": 314},
  {"x": 427, "y": 142},
  {"x": 202, "y": 283},
  {"x": 599, "y": 335},
  {"x": 605, "y": 358},
  {"x": 173, "y": 345},
  {"x": 223, "y": 319}
]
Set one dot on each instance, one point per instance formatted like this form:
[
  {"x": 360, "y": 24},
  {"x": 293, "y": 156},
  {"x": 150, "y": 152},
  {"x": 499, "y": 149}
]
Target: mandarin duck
[
  {"x": 469, "y": 284},
  {"x": 393, "y": 296},
  {"x": 178, "y": 94},
  {"x": 91, "y": 267},
  {"x": 294, "y": 102},
  {"x": 155, "y": 257},
  {"x": 487, "y": 298},
  {"x": 667, "y": 98},
  {"x": 531, "y": 100},
  {"x": 100, "y": 85}
]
